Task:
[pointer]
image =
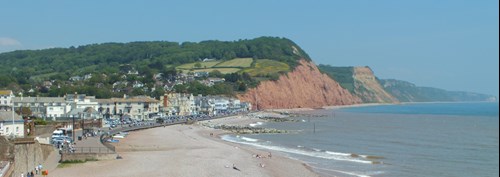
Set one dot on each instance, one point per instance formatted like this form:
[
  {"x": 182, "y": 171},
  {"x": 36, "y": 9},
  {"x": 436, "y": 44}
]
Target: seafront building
[
  {"x": 54, "y": 107},
  {"x": 182, "y": 104},
  {"x": 44, "y": 107},
  {"x": 187, "y": 104},
  {"x": 139, "y": 107}
]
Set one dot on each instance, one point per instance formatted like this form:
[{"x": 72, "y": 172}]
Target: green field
[
  {"x": 222, "y": 70},
  {"x": 207, "y": 64},
  {"x": 262, "y": 68},
  {"x": 236, "y": 63},
  {"x": 265, "y": 66}
]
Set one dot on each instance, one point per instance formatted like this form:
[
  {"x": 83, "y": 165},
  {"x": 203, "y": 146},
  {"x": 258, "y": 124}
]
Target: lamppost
[
  {"x": 13, "y": 121},
  {"x": 73, "y": 131}
]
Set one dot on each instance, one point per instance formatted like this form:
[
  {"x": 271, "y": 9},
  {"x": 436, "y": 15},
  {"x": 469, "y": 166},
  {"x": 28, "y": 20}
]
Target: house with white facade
[
  {"x": 6, "y": 99},
  {"x": 55, "y": 107},
  {"x": 138, "y": 108},
  {"x": 44, "y": 107},
  {"x": 80, "y": 101},
  {"x": 221, "y": 104},
  {"x": 8, "y": 128}
]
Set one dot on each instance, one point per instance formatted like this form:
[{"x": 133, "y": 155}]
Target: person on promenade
[
  {"x": 32, "y": 174},
  {"x": 36, "y": 170}
]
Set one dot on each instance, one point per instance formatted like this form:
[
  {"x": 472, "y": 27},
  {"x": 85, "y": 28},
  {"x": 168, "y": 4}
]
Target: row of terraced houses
[{"x": 138, "y": 107}]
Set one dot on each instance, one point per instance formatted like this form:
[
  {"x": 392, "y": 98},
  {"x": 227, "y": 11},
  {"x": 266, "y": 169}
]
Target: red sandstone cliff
[{"x": 305, "y": 87}]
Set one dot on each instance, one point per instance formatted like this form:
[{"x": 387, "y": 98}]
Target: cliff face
[
  {"x": 305, "y": 87},
  {"x": 367, "y": 87}
]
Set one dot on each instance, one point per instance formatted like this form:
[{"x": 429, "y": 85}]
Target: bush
[{"x": 40, "y": 121}]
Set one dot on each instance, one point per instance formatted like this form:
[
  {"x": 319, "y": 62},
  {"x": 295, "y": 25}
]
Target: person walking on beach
[
  {"x": 234, "y": 167},
  {"x": 40, "y": 167}
]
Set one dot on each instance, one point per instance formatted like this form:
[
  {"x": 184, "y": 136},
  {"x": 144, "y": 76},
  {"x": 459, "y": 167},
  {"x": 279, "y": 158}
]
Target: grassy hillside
[
  {"x": 266, "y": 67},
  {"x": 235, "y": 63},
  {"x": 207, "y": 64},
  {"x": 221, "y": 70}
]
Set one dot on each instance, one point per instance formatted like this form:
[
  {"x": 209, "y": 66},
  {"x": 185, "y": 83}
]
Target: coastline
[
  {"x": 330, "y": 107},
  {"x": 189, "y": 150}
]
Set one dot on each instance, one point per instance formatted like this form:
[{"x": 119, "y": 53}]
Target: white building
[
  {"x": 6, "y": 126},
  {"x": 77, "y": 101},
  {"x": 221, "y": 104},
  {"x": 45, "y": 107},
  {"x": 136, "y": 107},
  {"x": 6, "y": 99},
  {"x": 54, "y": 107}
]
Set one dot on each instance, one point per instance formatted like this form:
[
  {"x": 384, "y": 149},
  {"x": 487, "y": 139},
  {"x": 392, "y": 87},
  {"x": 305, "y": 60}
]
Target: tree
[
  {"x": 215, "y": 73},
  {"x": 24, "y": 111},
  {"x": 197, "y": 65}
]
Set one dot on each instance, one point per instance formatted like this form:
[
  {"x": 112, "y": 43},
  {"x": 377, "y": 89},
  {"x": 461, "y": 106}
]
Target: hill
[
  {"x": 360, "y": 81},
  {"x": 408, "y": 92},
  {"x": 111, "y": 63}
]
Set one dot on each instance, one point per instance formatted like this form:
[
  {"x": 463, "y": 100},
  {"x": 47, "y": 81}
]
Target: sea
[{"x": 402, "y": 140}]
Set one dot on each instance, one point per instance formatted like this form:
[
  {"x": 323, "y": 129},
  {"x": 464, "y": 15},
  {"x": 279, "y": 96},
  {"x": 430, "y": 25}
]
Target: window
[{"x": 17, "y": 129}]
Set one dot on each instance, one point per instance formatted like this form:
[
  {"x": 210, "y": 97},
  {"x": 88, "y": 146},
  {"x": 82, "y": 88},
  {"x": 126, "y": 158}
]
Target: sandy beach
[{"x": 187, "y": 150}]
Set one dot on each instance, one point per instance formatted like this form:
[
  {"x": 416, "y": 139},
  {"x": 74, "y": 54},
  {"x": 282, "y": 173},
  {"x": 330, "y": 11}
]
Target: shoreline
[
  {"x": 178, "y": 149},
  {"x": 329, "y": 107}
]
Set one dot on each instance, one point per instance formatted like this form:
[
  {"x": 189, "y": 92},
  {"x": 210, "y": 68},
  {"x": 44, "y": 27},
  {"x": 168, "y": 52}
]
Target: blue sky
[{"x": 449, "y": 44}]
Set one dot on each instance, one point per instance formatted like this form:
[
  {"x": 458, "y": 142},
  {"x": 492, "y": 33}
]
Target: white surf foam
[
  {"x": 248, "y": 139},
  {"x": 317, "y": 154},
  {"x": 255, "y": 124},
  {"x": 338, "y": 153}
]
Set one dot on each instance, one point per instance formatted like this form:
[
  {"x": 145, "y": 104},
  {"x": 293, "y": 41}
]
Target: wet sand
[{"x": 187, "y": 150}]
